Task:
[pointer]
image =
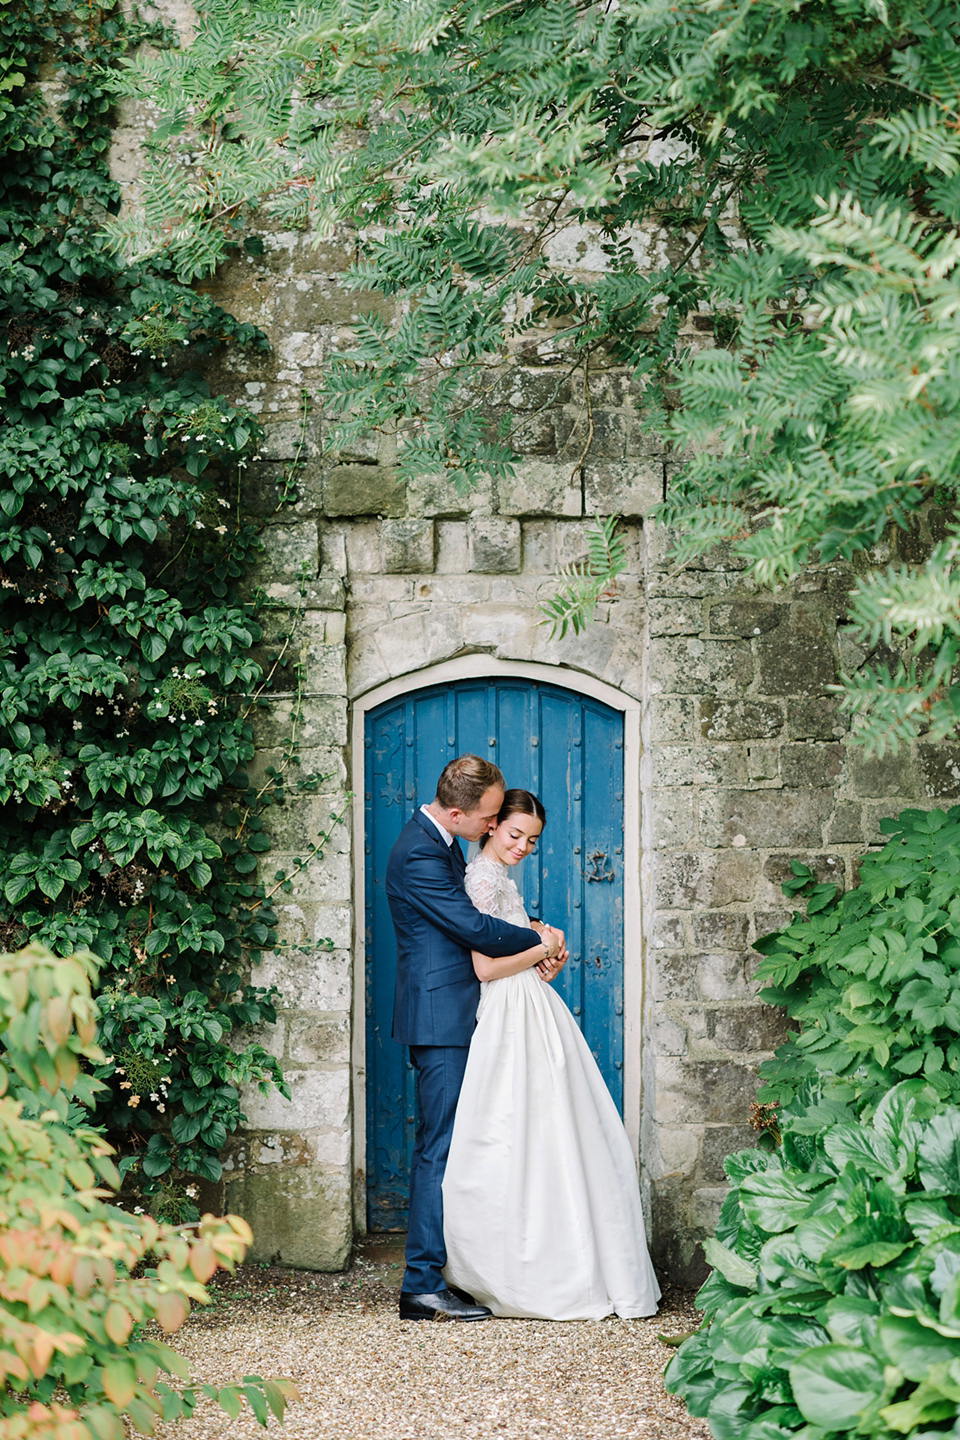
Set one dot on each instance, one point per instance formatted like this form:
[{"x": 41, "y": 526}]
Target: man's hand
[{"x": 550, "y": 968}]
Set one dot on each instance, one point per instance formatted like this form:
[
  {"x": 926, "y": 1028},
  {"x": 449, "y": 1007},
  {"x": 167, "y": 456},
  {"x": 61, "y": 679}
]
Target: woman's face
[{"x": 515, "y": 838}]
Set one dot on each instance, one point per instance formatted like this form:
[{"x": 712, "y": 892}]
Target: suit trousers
[{"x": 439, "y": 1078}]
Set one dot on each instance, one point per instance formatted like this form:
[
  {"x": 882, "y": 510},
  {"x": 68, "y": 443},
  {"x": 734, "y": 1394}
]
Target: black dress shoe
[
  {"x": 461, "y": 1294},
  {"x": 445, "y": 1305}
]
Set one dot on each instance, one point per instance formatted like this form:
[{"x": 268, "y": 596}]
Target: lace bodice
[{"x": 492, "y": 890}]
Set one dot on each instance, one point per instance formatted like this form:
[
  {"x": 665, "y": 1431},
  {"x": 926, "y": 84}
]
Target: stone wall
[{"x": 366, "y": 579}]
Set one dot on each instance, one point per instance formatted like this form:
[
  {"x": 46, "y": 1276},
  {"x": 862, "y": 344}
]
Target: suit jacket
[{"x": 436, "y": 927}]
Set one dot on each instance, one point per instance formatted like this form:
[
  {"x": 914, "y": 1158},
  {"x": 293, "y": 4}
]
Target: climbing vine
[{"x": 127, "y": 673}]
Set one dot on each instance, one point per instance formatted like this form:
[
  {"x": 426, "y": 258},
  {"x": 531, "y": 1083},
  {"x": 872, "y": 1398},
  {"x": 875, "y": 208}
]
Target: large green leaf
[
  {"x": 854, "y": 1144},
  {"x": 778, "y": 1200},
  {"x": 834, "y": 1384},
  {"x": 938, "y": 1154},
  {"x": 875, "y": 1240},
  {"x": 730, "y": 1265},
  {"x": 913, "y": 1348}
]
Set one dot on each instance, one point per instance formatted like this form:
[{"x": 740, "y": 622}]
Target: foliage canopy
[{"x": 794, "y": 170}]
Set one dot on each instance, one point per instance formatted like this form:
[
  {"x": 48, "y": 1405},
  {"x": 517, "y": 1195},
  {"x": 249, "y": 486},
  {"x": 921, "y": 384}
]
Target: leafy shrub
[
  {"x": 74, "y": 1292},
  {"x": 872, "y": 976},
  {"x": 127, "y": 672},
  {"x": 834, "y": 1304}
]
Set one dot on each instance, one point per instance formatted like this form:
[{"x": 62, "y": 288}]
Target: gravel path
[{"x": 364, "y": 1375}]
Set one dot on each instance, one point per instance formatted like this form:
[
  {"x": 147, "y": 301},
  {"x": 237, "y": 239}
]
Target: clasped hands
[{"x": 554, "y": 939}]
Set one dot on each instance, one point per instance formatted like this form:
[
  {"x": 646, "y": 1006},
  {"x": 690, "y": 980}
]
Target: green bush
[
  {"x": 78, "y": 1276},
  {"x": 834, "y": 1304},
  {"x": 872, "y": 977}
]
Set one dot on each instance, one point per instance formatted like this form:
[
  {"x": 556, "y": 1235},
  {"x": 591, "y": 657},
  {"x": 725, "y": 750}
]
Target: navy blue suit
[{"x": 435, "y": 1012}]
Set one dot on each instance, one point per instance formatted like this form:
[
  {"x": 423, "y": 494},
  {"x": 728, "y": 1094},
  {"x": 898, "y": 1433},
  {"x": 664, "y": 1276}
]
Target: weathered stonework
[{"x": 745, "y": 762}]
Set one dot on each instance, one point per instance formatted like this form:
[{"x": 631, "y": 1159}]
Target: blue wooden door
[{"x": 568, "y": 750}]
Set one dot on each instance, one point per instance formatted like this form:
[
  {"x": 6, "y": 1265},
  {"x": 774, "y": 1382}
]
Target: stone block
[
  {"x": 421, "y": 639},
  {"x": 745, "y": 617},
  {"x": 740, "y": 719},
  {"x": 317, "y": 1097},
  {"x": 453, "y": 557},
  {"x": 747, "y": 1028},
  {"x": 828, "y": 869},
  {"x": 313, "y": 1041},
  {"x": 291, "y": 440},
  {"x": 939, "y": 771},
  {"x": 675, "y": 617},
  {"x": 694, "y": 667},
  {"x": 667, "y": 1035},
  {"x": 810, "y": 765},
  {"x": 763, "y": 761},
  {"x": 629, "y": 487},
  {"x": 676, "y": 977},
  {"x": 815, "y": 719},
  {"x": 706, "y": 1203},
  {"x": 324, "y": 669},
  {"x": 798, "y": 659},
  {"x": 679, "y": 1147},
  {"x": 435, "y": 496},
  {"x": 723, "y": 976},
  {"x": 362, "y": 548},
  {"x": 302, "y": 1218},
  {"x": 670, "y": 718},
  {"x": 718, "y": 1142},
  {"x": 321, "y": 981},
  {"x": 874, "y": 775},
  {"x": 363, "y": 490},
  {"x": 702, "y": 1091},
  {"x": 528, "y": 389},
  {"x": 539, "y": 547},
  {"x": 687, "y": 882},
  {"x": 289, "y": 551},
  {"x": 670, "y": 817},
  {"x": 846, "y": 824},
  {"x": 721, "y": 929},
  {"x": 697, "y": 764},
  {"x": 668, "y": 932},
  {"x": 407, "y": 546},
  {"x": 771, "y": 922},
  {"x": 493, "y": 544},
  {"x": 538, "y": 487},
  {"x": 675, "y": 1245},
  {"x": 758, "y": 819},
  {"x": 322, "y": 727}
]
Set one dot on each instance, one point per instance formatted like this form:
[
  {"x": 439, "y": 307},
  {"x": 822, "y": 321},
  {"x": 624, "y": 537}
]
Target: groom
[{"x": 437, "y": 995}]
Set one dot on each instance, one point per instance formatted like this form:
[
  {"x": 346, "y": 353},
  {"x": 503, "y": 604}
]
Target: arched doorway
[{"x": 569, "y": 748}]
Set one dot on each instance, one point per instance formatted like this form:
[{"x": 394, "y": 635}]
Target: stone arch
[{"x": 479, "y": 666}]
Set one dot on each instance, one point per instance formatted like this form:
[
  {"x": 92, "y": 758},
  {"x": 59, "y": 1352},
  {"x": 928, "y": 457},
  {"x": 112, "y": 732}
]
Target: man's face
[{"x": 471, "y": 824}]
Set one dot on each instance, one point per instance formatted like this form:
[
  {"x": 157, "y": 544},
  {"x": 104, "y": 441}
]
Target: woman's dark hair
[{"x": 518, "y": 802}]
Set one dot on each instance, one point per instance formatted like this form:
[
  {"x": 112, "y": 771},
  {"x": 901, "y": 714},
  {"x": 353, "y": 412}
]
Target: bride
[{"x": 541, "y": 1208}]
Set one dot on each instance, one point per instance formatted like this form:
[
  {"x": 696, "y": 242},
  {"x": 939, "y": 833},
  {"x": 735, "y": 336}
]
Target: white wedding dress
[{"x": 541, "y": 1207}]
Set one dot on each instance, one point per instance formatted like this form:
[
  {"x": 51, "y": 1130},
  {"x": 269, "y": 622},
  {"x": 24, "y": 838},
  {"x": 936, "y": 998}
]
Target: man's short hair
[{"x": 465, "y": 781}]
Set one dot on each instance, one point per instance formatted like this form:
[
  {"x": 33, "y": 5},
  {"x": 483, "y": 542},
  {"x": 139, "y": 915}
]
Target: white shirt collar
[{"x": 447, "y": 837}]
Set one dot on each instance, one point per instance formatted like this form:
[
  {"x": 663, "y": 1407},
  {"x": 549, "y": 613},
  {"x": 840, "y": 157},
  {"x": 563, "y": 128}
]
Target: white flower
[{"x": 78, "y": 724}]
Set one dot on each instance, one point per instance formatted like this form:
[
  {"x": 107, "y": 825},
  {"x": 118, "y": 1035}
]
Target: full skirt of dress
[{"x": 541, "y": 1205}]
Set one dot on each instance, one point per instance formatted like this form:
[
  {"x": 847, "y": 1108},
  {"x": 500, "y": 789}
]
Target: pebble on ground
[{"x": 363, "y": 1374}]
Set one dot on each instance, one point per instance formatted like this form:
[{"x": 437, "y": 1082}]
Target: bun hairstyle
[{"x": 518, "y": 802}]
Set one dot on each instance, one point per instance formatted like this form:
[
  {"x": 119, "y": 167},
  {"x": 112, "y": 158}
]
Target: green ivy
[
  {"x": 872, "y": 977},
  {"x": 126, "y": 672}
]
